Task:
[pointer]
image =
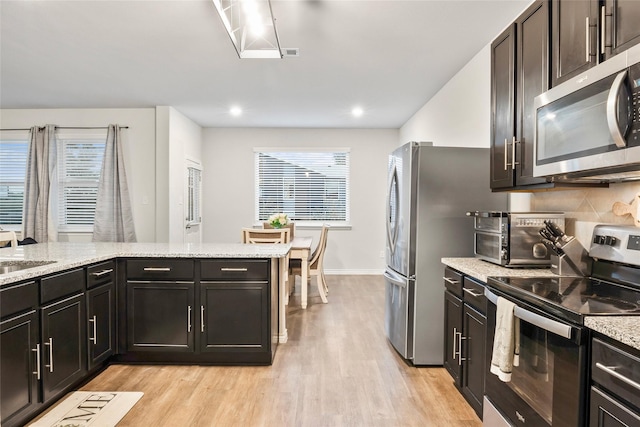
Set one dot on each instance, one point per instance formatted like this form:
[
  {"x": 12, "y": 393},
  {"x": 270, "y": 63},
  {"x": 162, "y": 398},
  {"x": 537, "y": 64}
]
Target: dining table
[{"x": 301, "y": 249}]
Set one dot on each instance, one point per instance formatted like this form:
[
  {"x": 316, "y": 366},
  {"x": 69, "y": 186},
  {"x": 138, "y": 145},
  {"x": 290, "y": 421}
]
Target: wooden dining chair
[
  {"x": 291, "y": 226},
  {"x": 274, "y": 235},
  {"x": 316, "y": 265}
]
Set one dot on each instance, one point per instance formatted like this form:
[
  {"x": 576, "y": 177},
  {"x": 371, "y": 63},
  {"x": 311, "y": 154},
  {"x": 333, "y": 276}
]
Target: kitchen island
[{"x": 85, "y": 305}]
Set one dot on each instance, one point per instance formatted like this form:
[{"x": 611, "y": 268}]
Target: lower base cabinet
[
  {"x": 19, "y": 353},
  {"x": 101, "y": 312},
  {"x": 465, "y": 335}
]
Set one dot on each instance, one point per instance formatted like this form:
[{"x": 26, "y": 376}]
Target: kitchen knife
[{"x": 555, "y": 230}]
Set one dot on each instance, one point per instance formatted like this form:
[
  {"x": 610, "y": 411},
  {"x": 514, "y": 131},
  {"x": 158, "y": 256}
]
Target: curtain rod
[{"x": 69, "y": 127}]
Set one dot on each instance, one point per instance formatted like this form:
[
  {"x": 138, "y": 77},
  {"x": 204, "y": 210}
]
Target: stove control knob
[
  {"x": 598, "y": 239},
  {"x": 610, "y": 240}
]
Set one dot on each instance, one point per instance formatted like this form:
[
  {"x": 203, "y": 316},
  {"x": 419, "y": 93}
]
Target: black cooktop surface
[{"x": 572, "y": 297}]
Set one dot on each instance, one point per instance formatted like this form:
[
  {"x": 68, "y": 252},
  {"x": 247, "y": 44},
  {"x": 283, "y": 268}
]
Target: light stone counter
[
  {"x": 481, "y": 270},
  {"x": 72, "y": 255},
  {"x": 625, "y": 329}
]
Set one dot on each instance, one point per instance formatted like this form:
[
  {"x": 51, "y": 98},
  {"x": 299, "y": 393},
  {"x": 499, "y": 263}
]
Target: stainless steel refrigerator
[{"x": 430, "y": 189}]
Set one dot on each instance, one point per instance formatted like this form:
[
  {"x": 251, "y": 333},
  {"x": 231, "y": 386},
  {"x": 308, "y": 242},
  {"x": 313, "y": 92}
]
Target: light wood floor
[{"x": 337, "y": 369}]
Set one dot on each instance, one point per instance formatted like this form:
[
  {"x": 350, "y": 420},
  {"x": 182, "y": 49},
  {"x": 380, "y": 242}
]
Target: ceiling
[{"x": 388, "y": 57}]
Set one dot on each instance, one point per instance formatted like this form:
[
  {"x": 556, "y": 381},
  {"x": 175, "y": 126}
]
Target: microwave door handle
[{"x": 612, "y": 110}]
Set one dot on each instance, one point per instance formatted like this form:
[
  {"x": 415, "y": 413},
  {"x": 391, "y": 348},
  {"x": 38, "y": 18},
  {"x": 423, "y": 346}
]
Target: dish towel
[{"x": 504, "y": 342}]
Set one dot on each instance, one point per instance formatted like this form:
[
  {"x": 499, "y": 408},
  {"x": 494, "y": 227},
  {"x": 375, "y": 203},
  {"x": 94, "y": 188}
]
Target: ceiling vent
[{"x": 291, "y": 52}]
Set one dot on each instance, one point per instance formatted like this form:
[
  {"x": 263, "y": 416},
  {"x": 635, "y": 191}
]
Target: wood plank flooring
[{"x": 337, "y": 369}]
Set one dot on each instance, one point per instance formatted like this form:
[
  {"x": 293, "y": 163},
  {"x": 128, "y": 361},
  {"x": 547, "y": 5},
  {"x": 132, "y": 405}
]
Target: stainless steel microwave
[
  {"x": 587, "y": 128},
  {"x": 512, "y": 239}
]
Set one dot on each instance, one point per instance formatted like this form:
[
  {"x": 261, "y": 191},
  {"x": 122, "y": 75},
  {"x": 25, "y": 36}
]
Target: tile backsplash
[{"x": 585, "y": 208}]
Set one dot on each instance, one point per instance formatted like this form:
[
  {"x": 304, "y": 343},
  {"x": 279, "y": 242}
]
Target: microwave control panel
[{"x": 634, "y": 129}]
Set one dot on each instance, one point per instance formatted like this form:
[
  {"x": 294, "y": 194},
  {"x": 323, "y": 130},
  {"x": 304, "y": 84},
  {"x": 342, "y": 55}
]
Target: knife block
[{"x": 574, "y": 261}]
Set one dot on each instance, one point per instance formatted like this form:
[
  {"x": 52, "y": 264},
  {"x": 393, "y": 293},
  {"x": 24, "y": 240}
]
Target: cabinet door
[
  {"x": 64, "y": 345},
  {"x": 234, "y": 316},
  {"x": 101, "y": 324},
  {"x": 19, "y": 356},
  {"x": 621, "y": 28},
  {"x": 606, "y": 411},
  {"x": 574, "y": 41},
  {"x": 474, "y": 326},
  {"x": 452, "y": 335},
  {"x": 532, "y": 79},
  {"x": 160, "y": 316},
  {"x": 502, "y": 108}
]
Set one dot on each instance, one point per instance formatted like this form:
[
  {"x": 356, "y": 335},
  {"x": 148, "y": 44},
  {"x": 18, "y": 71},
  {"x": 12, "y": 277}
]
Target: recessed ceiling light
[
  {"x": 235, "y": 111},
  {"x": 357, "y": 111}
]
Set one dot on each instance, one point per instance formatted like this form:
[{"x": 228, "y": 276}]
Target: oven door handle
[{"x": 542, "y": 322}]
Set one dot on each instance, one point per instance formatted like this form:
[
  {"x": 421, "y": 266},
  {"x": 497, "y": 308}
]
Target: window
[
  {"x": 306, "y": 185},
  {"x": 13, "y": 167},
  {"x": 194, "y": 179},
  {"x": 79, "y": 167}
]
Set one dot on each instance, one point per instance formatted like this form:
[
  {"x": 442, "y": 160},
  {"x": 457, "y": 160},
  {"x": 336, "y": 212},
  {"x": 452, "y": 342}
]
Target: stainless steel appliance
[
  {"x": 550, "y": 385},
  {"x": 588, "y": 128},
  {"x": 512, "y": 239},
  {"x": 429, "y": 191}
]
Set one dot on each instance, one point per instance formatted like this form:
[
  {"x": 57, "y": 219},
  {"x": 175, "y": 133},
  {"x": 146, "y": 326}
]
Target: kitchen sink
[{"x": 11, "y": 266}]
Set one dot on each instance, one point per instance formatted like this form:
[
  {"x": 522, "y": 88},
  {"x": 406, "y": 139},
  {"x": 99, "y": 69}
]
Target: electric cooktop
[{"x": 612, "y": 290}]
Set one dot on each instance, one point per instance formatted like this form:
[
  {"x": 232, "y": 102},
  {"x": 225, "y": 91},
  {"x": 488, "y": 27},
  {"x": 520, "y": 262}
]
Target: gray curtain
[
  {"x": 40, "y": 168},
  {"x": 114, "y": 219}
]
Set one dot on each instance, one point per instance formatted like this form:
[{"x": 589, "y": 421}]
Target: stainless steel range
[{"x": 550, "y": 384}]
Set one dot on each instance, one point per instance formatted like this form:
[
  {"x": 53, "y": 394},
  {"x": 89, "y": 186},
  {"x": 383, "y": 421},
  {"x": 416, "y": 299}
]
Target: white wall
[
  {"x": 179, "y": 138},
  {"x": 228, "y": 188},
  {"x": 459, "y": 114},
  {"x": 139, "y": 147}
]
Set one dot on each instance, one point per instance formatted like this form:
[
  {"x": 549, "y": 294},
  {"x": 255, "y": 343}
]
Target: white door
[{"x": 192, "y": 207}]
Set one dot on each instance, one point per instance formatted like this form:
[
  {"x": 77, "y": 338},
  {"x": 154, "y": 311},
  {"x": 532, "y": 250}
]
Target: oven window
[{"x": 533, "y": 378}]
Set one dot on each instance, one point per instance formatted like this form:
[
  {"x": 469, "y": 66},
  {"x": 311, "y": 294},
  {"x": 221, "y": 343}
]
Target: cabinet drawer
[
  {"x": 160, "y": 269},
  {"x": 18, "y": 298},
  {"x": 474, "y": 294},
  {"x": 102, "y": 273},
  {"x": 61, "y": 285},
  {"x": 453, "y": 281},
  {"x": 616, "y": 370},
  {"x": 234, "y": 269}
]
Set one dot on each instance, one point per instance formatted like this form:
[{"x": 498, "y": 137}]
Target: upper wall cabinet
[
  {"x": 586, "y": 32},
  {"x": 519, "y": 73},
  {"x": 574, "y": 38}
]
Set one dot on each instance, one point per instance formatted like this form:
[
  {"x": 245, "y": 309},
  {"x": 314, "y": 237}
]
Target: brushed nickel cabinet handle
[
  {"x": 50, "y": 344},
  {"x": 451, "y": 281},
  {"x": 94, "y": 339},
  {"x": 189, "y": 319},
  {"x": 472, "y": 292},
  {"x": 202, "y": 318},
  {"x": 587, "y": 42},
  {"x": 506, "y": 149},
  {"x": 233, "y": 269},
  {"x": 513, "y": 153},
  {"x": 37, "y": 350},
  {"x": 455, "y": 332},
  {"x": 102, "y": 273},
  {"x": 611, "y": 370},
  {"x": 157, "y": 269},
  {"x": 460, "y": 338}
]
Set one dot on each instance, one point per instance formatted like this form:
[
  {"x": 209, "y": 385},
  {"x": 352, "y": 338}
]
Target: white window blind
[
  {"x": 13, "y": 166},
  {"x": 306, "y": 185},
  {"x": 80, "y": 163},
  {"x": 193, "y": 196}
]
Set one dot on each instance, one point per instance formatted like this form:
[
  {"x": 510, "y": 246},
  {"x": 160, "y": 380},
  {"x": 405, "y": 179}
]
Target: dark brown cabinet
[
  {"x": 519, "y": 73},
  {"x": 20, "y": 367},
  {"x": 160, "y": 316},
  {"x": 101, "y": 313},
  {"x": 621, "y": 29},
  {"x": 64, "y": 357},
  {"x": 574, "y": 39},
  {"x": 464, "y": 335}
]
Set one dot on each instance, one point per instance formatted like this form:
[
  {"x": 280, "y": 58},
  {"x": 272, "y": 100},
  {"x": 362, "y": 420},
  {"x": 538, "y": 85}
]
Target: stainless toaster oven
[{"x": 512, "y": 239}]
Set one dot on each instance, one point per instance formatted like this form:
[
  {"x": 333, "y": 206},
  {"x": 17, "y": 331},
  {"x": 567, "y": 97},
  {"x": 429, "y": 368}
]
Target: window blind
[
  {"x": 80, "y": 164},
  {"x": 13, "y": 167},
  {"x": 306, "y": 185}
]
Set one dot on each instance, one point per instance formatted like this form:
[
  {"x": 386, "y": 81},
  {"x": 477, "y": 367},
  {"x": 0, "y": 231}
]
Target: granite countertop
[
  {"x": 72, "y": 255},
  {"x": 481, "y": 269},
  {"x": 625, "y": 329}
]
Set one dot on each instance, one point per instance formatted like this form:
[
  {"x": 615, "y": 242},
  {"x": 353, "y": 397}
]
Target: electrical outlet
[{"x": 381, "y": 254}]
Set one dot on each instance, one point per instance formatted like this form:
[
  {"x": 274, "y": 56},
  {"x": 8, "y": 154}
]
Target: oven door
[
  {"x": 490, "y": 247},
  {"x": 548, "y": 387}
]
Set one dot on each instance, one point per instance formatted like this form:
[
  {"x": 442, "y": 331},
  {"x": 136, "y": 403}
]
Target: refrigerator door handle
[{"x": 396, "y": 279}]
